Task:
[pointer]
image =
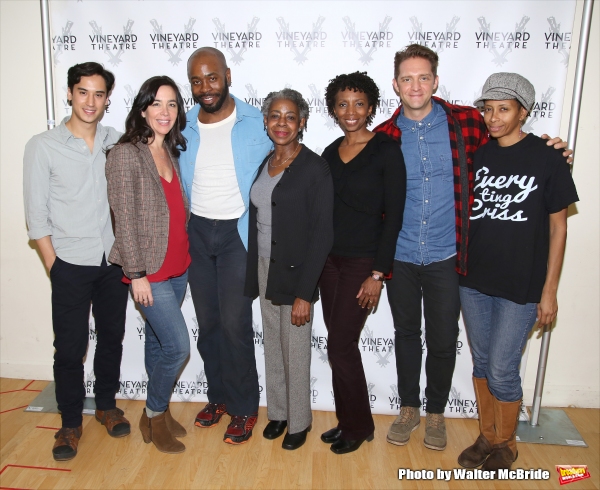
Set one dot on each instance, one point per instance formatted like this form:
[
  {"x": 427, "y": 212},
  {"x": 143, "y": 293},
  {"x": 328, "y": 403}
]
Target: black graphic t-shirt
[{"x": 516, "y": 188}]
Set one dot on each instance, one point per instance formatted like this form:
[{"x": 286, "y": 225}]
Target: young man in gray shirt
[{"x": 68, "y": 215}]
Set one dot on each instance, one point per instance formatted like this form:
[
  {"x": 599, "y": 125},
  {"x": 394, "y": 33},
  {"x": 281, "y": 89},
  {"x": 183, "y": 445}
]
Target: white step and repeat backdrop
[{"x": 303, "y": 44}]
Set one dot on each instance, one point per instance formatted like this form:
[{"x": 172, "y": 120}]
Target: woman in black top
[
  {"x": 290, "y": 236},
  {"x": 369, "y": 180},
  {"x": 517, "y": 235}
]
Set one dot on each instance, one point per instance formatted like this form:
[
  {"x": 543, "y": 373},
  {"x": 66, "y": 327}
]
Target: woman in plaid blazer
[{"x": 151, "y": 243}]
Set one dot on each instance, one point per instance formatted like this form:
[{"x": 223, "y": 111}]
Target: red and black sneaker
[
  {"x": 240, "y": 428},
  {"x": 210, "y": 415}
]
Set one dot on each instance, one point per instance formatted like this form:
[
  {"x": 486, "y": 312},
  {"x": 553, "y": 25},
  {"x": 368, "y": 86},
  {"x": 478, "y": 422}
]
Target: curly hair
[
  {"x": 357, "y": 81},
  {"x": 293, "y": 96},
  {"x": 136, "y": 127},
  {"x": 416, "y": 51}
]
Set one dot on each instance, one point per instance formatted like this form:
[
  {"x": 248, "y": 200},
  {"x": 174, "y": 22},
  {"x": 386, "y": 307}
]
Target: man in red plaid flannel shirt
[{"x": 438, "y": 143}]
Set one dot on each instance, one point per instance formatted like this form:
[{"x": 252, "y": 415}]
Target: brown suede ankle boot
[
  {"x": 155, "y": 430},
  {"x": 504, "y": 451},
  {"x": 175, "y": 427},
  {"x": 477, "y": 453}
]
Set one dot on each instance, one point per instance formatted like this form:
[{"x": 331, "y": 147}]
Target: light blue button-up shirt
[
  {"x": 250, "y": 145},
  {"x": 428, "y": 230}
]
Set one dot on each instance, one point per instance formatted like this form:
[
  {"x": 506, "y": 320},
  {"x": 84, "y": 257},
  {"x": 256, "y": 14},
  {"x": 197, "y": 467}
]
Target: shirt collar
[
  {"x": 65, "y": 134},
  {"x": 405, "y": 123}
]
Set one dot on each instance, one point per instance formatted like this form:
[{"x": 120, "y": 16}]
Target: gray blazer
[{"x": 141, "y": 213}]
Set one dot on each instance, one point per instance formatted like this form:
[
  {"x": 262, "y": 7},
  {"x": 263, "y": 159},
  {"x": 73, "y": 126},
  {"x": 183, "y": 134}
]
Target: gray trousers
[{"x": 287, "y": 360}]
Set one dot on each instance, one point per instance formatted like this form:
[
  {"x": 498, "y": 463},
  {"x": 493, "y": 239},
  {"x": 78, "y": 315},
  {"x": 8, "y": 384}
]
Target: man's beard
[{"x": 217, "y": 105}]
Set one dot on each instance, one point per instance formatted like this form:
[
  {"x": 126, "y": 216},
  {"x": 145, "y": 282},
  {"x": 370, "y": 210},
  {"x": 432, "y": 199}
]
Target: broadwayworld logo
[
  {"x": 365, "y": 43},
  {"x": 436, "y": 40},
  {"x": 501, "y": 43},
  {"x": 236, "y": 42},
  {"x": 113, "y": 45},
  {"x": 174, "y": 43},
  {"x": 301, "y": 40}
]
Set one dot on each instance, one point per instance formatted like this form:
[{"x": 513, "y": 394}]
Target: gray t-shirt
[{"x": 260, "y": 195}]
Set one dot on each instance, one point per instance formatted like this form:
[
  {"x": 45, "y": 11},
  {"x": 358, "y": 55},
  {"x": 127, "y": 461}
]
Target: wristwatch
[
  {"x": 376, "y": 277},
  {"x": 135, "y": 275}
]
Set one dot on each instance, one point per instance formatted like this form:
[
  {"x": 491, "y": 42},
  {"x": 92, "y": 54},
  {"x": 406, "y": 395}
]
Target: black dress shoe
[
  {"x": 274, "y": 429},
  {"x": 342, "y": 447},
  {"x": 294, "y": 441},
  {"x": 331, "y": 436}
]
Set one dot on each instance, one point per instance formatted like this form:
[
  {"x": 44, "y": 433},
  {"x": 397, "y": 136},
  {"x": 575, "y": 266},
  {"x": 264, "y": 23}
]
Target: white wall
[{"x": 573, "y": 376}]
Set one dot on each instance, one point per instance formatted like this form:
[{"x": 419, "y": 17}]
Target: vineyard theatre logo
[
  {"x": 313, "y": 393},
  {"x": 93, "y": 332},
  {"x": 372, "y": 397},
  {"x": 558, "y": 40},
  {"x": 174, "y": 43},
  {"x": 542, "y": 109},
  {"x": 395, "y": 398},
  {"x": 253, "y": 98},
  {"x": 466, "y": 408},
  {"x": 188, "y": 102},
  {"x": 459, "y": 343},
  {"x": 319, "y": 344},
  {"x": 317, "y": 105},
  {"x": 133, "y": 389},
  {"x": 301, "y": 42},
  {"x": 447, "y": 96},
  {"x": 141, "y": 328},
  {"x": 113, "y": 45},
  {"x": 381, "y": 347},
  {"x": 195, "y": 329},
  {"x": 387, "y": 106},
  {"x": 365, "y": 43},
  {"x": 186, "y": 390},
  {"x": 258, "y": 335},
  {"x": 90, "y": 382},
  {"x": 501, "y": 43},
  {"x": 65, "y": 42},
  {"x": 66, "y": 106},
  {"x": 130, "y": 97},
  {"x": 236, "y": 42},
  {"x": 435, "y": 40}
]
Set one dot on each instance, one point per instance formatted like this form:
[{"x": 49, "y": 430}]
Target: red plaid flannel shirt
[{"x": 467, "y": 133}]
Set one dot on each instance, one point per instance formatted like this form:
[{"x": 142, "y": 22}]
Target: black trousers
[
  {"x": 344, "y": 318},
  {"x": 436, "y": 285},
  {"x": 74, "y": 288}
]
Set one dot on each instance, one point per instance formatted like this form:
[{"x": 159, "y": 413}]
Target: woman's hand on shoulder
[{"x": 300, "y": 312}]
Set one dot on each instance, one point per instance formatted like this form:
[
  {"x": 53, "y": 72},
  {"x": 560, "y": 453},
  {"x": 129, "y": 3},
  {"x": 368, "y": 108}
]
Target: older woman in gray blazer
[
  {"x": 291, "y": 233},
  {"x": 151, "y": 243}
]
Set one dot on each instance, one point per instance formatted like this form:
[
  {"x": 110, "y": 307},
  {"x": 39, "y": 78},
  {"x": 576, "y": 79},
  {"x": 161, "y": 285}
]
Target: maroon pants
[{"x": 344, "y": 318}]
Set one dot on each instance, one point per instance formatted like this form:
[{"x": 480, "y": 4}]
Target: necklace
[{"x": 285, "y": 161}]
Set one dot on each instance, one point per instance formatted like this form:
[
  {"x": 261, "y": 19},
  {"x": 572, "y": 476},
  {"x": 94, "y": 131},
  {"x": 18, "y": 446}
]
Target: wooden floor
[{"x": 105, "y": 463}]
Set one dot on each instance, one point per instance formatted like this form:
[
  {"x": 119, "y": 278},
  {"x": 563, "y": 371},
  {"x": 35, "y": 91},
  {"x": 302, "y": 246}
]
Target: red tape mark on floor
[
  {"x": 44, "y": 427},
  {"x": 11, "y": 409},
  {"x": 32, "y": 468},
  {"x": 22, "y": 389}
]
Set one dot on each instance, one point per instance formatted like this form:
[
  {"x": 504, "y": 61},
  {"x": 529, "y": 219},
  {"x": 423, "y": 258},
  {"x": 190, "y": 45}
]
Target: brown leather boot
[
  {"x": 476, "y": 454},
  {"x": 175, "y": 427},
  {"x": 504, "y": 451},
  {"x": 67, "y": 440},
  {"x": 115, "y": 422},
  {"x": 155, "y": 430}
]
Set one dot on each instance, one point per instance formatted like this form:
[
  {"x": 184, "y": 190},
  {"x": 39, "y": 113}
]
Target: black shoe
[
  {"x": 294, "y": 441},
  {"x": 274, "y": 429},
  {"x": 342, "y": 447},
  {"x": 331, "y": 436}
]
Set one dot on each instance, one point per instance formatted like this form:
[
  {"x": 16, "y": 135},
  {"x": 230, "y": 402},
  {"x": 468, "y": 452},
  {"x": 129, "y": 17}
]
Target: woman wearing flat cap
[{"x": 517, "y": 235}]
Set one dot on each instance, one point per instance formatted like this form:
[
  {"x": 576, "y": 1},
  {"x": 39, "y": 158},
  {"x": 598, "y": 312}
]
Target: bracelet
[{"x": 135, "y": 275}]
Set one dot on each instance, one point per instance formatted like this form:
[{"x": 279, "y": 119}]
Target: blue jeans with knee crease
[
  {"x": 167, "y": 345},
  {"x": 497, "y": 330}
]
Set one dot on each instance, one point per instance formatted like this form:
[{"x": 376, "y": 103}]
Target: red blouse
[{"x": 177, "y": 259}]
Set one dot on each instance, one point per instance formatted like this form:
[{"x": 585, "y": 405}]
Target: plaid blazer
[
  {"x": 141, "y": 214},
  {"x": 467, "y": 133}
]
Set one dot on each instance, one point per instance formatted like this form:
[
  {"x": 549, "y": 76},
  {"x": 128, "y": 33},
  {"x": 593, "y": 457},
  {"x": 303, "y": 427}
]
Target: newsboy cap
[{"x": 503, "y": 86}]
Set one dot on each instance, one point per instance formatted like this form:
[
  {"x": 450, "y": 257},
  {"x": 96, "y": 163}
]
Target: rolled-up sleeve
[{"x": 36, "y": 190}]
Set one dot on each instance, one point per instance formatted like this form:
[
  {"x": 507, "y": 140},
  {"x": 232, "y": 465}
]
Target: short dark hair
[
  {"x": 357, "y": 81},
  {"x": 87, "y": 70},
  {"x": 136, "y": 127},
  {"x": 293, "y": 96},
  {"x": 416, "y": 51}
]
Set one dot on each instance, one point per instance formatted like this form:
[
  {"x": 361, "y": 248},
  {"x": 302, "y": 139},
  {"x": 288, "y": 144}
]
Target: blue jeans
[
  {"x": 224, "y": 314},
  {"x": 167, "y": 344},
  {"x": 497, "y": 330}
]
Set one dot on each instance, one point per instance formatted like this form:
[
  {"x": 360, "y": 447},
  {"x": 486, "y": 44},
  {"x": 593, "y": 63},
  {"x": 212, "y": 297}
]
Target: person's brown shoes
[
  {"x": 67, "y": 440},
  {"x": 155, "y": 430},
  {"x": 175, "y": 428},
  {"x": 114, "y": 421}
]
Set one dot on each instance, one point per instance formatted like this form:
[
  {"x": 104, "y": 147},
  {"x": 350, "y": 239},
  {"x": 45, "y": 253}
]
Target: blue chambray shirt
[
  {"x": 250, "y": 145},
  {"x": 428, "y": 231}
]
